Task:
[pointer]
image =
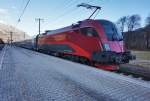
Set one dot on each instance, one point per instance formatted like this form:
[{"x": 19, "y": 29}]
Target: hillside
[
  {"x": 138, "y": 39},
  {"x": 17, "y": 34}
]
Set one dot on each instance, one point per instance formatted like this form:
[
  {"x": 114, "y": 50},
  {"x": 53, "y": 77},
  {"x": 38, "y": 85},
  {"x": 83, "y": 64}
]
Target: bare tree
[
  {"x": 147, "y": 29},
  {"x": 147, "y": 20},
  {"x": 122, "y": 22},
  {"x": 133, "y": 22}
]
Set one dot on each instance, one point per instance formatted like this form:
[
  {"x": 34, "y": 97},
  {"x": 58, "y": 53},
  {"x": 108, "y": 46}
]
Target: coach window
[{"x": 89, "y": 31}]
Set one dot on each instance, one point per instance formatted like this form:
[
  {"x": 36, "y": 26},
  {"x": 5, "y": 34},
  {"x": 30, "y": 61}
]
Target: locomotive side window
[{"x": 89, "y": 31}]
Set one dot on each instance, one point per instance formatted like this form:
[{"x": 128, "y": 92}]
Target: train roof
[{"x": 72, "y": 27}]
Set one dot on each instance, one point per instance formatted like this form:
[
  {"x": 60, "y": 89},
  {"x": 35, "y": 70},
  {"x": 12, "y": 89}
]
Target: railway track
[
  {"x": 133, "y": 75},
  {"x": 134, "y": 71}
]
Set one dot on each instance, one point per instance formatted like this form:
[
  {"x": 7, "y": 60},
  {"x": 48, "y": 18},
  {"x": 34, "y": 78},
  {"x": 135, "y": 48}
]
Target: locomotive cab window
[
  {"x": 111, "y": 31},
  {"x": 89, "y": 31}
]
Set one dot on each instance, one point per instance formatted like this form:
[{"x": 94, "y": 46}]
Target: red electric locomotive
[{"x": 93, "y": 42}]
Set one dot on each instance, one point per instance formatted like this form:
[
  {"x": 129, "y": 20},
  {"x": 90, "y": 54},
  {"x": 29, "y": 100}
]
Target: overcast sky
[{"x": 60, "y": 13}]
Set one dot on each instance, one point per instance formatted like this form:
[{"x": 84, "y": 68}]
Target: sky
[{"x": 61, "y": 13}]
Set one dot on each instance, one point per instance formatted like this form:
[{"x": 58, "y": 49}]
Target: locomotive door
[{"x": 88, "y": 39}]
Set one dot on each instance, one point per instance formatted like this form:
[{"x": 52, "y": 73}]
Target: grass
[
  {"x": 142, "y": 58},
  {"x": 142, "y": 55}
]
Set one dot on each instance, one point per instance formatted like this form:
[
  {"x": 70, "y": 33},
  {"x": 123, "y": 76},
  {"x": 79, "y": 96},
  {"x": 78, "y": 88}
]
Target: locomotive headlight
[{"x": 107, "y": 47}]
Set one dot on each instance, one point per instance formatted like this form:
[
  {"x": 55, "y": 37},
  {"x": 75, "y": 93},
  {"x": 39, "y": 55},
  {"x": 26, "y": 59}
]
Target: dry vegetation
[
  {"x": 138, "y": 39},
  {"x": 142, "y": 59},
  {"x": 142, "y": 55}
]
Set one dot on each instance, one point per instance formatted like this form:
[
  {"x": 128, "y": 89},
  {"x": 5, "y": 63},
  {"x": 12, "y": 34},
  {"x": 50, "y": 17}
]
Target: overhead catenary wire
[
  {"x": 19, "y": 19},
  {"x": 72, "y": 9},
  {"x": 67, "y": 4},
  {"x": 66, "y": 12}
]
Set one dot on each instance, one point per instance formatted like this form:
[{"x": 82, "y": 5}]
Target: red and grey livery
[{"x": 94, "y": 42}]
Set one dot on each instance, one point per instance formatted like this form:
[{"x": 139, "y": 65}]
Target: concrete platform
[{"x": 30, "y": 76}]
